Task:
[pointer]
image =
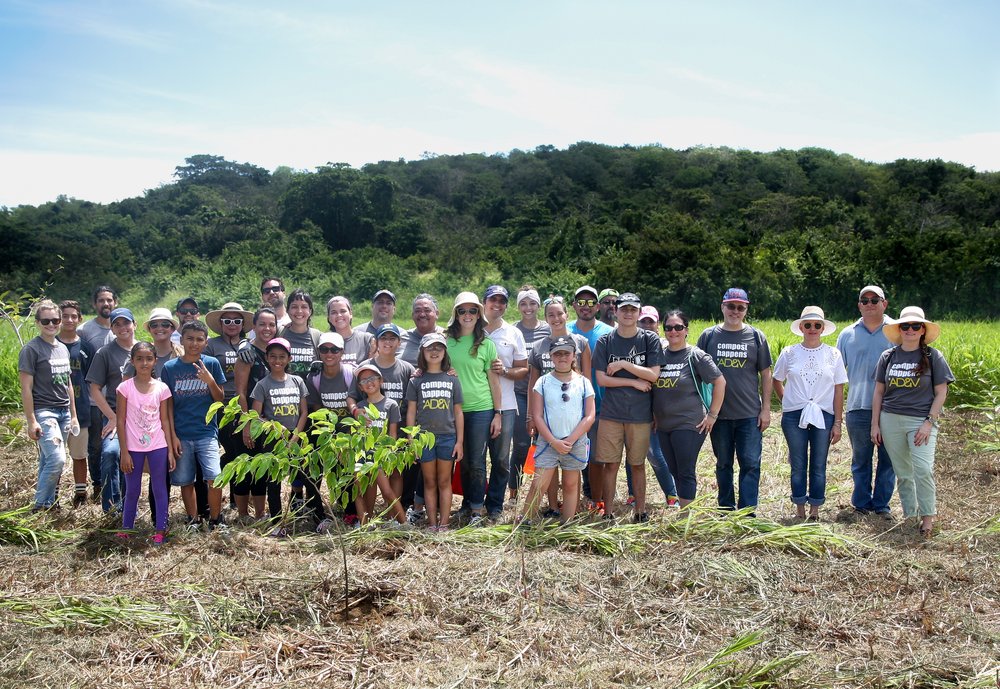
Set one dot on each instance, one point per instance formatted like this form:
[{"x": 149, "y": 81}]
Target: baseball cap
[
  {"x": 607, "y": 293},
  {"x": 335, "y": 339},
  {"x": 366, "y": 367},
  {"x": 388, "y": 328},
  {"x": 585, "y": 288},
  {"x": 494, "y": 290},
  {"x": 874, "y": 289},
  {"x": 187, "y": 300},
  {"x": 736, "y": 294},
  {"x": 432, "y": 338},
  {"x": 628, "y": 299},
  {"x": 649, "y": 312},
  {"x": 122, "y": 312},
  {"x": 562, "y": 343},
  {"x": 386, "y": 293},
  {"x": 279, "y": 342}
]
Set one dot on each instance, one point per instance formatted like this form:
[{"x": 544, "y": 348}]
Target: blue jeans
[
  {"x": 808, "y": 449},
  {"x": 112, "y": 480},
  {"x": 660, "y": 468},
  {"x": 739, "y": 438},
  {"x": 521, "y": 443},
  {"x": 496, "y": 488},
  {"x": 865, "y": 496},
  {"x": 51, "y": 453},
  {"x": 473, "y": 464}
]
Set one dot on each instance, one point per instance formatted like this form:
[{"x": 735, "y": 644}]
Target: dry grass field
[{"x": 689, "y": 600}]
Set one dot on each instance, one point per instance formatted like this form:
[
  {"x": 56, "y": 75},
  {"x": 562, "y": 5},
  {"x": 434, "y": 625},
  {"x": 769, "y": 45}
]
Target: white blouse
[{"x": 810, "y": 376}]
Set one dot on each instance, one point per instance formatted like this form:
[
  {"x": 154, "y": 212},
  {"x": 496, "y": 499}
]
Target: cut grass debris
[{"x": 21, "y": 527}]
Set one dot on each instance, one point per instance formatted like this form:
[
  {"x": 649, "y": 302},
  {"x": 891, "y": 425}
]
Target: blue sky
[{"x": 101, "y": 100}]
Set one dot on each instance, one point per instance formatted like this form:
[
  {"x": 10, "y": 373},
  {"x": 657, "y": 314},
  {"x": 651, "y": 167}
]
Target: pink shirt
[{"x": 143, "y": 429}]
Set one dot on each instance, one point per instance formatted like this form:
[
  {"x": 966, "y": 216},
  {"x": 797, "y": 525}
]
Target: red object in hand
[
  {"x": 456, "y": 480},
  {"x": 529, "y": 461}
]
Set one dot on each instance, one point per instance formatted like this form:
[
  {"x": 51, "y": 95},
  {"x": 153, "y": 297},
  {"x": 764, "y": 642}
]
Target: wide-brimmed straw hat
[
  {"x": 813, "y": 313},
  {"x": 911, "y": 314},
  {"x": 467, "y": 298},
  {"x": 212, "y": 317},
  {"x": 161, "y": 314}
]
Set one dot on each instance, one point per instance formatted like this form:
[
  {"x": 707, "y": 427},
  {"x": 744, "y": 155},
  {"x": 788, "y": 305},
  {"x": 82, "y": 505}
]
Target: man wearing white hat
[{"x": 861, "y": 345}]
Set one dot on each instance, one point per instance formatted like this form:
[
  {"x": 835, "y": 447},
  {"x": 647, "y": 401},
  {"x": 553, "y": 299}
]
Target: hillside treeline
[{"x": 793, "y": 227}]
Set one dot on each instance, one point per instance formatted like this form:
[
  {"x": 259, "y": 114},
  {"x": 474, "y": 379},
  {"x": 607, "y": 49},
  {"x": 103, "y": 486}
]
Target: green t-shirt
[{"x": 472, "y": 371}]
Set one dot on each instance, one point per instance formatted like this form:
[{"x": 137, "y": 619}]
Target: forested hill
[{"x": 793, "y": 227}]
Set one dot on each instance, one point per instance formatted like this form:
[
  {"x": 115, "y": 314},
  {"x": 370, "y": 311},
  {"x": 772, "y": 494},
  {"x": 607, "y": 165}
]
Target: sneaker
[
  {"x": 415, "y": 516},
  {"x": 159, "y": 539},
  {"x": 551, "y": 514},
  {"x": 477, "y": 520},
  {"x": 79, "y": 498},
  {"x": 278, "y": 532},
  {"x": 193, "y": 525},
  {"x": 218, "y": 525},
  {"x": 641, "y": 517},
  {"x": 599, "y": 509},
  {"x": 297, "y": 504},
  {"x": 352, "y": 520},
  {"x": 324, "y": 526},
  {"x": 672, "y": 501},
  {"x": 495, "y": 516}
]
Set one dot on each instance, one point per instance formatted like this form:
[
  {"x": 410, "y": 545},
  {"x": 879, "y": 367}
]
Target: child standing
[
  {"x": 369, "y": 379},
  {"x": 144, "y": 424},
  {"x": 434, "y": 401},
  {"x": 565, "y": 400}
]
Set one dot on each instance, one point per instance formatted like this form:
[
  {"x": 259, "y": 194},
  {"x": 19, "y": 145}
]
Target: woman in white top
[{"x": 809, "y": 379}]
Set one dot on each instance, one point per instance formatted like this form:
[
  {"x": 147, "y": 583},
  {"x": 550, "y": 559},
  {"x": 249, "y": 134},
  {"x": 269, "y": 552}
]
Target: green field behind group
[{"x": 971, "y": 348}]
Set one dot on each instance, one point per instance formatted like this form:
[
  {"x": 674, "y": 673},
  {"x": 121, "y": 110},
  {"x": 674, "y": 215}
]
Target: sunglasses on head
[
  {"x": 736, "y": 307},
  {"x": 679, "y": 327},
  {"x": 187, "y": 312},
  {"x": 865, "y": 301},
  {"x": 330, "y": 349},
  {"x": 231, "y": 321},
  {"x": 50, "y": 321},
  {"x": 471, "y": 311},
  {"x": 270, "y": 290},
  {"x": 586, "y": 302},
  {"x": 161, "y": 324},
  {"x": 812, "y": 326},
  {"x": 915, "y": 327}
]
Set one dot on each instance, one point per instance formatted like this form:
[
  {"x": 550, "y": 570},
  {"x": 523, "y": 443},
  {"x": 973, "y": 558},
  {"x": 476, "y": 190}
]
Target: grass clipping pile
[{"x": 692, "y": 600}]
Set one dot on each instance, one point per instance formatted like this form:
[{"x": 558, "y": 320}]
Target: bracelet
[{"x": 713, "y": 415}]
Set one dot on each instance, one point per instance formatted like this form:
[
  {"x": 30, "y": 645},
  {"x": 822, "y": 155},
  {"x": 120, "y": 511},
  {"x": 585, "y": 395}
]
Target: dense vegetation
[{"x": 794, "y": 227}]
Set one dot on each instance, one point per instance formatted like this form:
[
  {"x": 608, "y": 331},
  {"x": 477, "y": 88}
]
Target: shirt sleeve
[
  {"x": 781, "y": 367},
  {"x": 27, "y": 361}
]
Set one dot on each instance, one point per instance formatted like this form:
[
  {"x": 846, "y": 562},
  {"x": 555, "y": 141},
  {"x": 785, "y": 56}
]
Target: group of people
[{"x": 577, "y": 396}]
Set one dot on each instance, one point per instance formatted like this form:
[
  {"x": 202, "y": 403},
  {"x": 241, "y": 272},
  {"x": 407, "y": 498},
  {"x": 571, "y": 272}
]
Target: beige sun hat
[
  {"x": 813, "y": 313},
  {"x": 467, "y": 298},
  {"x": 911, "y": 314},
  {"x": 212, "y": 317},
  {"x": 160, "y": 314}
]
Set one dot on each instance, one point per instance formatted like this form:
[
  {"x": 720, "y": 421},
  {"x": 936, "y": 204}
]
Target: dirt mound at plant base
[{"x": 680, "y": 601}]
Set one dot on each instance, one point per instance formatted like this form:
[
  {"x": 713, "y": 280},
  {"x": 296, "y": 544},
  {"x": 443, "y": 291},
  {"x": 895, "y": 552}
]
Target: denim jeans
[
  {"x": 97, "y": 422},
  {"x": 660, "y": 469},
  {"x": 808, "y": 449},
  {"x": 521, "y": 443},
  {"x": 473, "y": 464},
  {"x": 51, "y": 452},
  {"x": 739, "y": 438},
  {"x": 112, "y": 480},
  {"x": 496, "y": 487},
  {"x": 866, "y": 496}
]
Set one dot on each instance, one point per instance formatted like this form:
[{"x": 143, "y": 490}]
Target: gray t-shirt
[
  {"x": 225, "y": 352},
  {"x": 740, "y": 355},
  {"x": 905, "y": 393},
  {"x": 108, "y": 369},
  {"x": 330, "y": 392},
  {"x": 541, "y": 360},
  {"x": 280, "y": 399},
  {"x": 49, "y": 366},
  {"x": 395, "y": 379},
  {"x": 436, "y": 395},
  {"x": 531, "y": 336},
  {"x": 409, "y": 345},
  {"x": 95, "y": 333},
  {"x": 626, "y": 404},
  {"x": 677, "y": 403},
  {"x": 357, "y": 347},
  {"x": 303, "y": 350},
  {"x": 388, "y": 411}
]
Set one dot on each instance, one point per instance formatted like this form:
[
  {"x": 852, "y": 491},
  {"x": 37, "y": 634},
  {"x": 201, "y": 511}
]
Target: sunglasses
[
  {"x": 473, "y": 311},
  {"x": 161, "y": 324},
  {"x": 608, "y": 302},
  {"x": 50, "y": 321},
  {"x": 678, "y": 328},
  {"x": 369, "y": 379},
  {"x": 565, "y": 387},
  {"x": 188, "y": 312},
  {"x": 231, "y": 321},
  {"x": 865, "y": 301},
  {"x": 270, "y": 290},
  {"x": 812, "y": 326},
  {"x": 330, "y": 349},
  {"x": 586, "y": 302},
  {"x": 736, "y": 307},
  {"x": 915, "y": 327}
]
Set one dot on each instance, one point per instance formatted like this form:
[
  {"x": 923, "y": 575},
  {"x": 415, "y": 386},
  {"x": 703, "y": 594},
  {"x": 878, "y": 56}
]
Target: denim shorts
[
  {"x": 205, "y": 451},
  {"x": 546, "y": 456},
  {"x": 444, "y": 447}
]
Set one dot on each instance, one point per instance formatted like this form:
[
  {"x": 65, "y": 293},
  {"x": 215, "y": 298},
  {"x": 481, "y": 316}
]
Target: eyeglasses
[
  {"x": 812, "y": 326},
  {"x": 865, "y": 301},
  {"x": 369, "y": 379},
  {"x": 188, "y": 312},
  {"x": 915, "y": 327},
  {"x": 50, "y": 321},
  {"x": 161, "y": 324},
  {"x": 330, "y": 349},
  {"x": 608, "y": 302},
  {"x": 736, "y": 307},
  {"x": 472, "y": 311},
  {"x": 271, "y": 290},
  {"x": 231, "y": 321},
  {"x": 565, "y": 397},
  {"x": 586, "y": 302},
  {"x": 678, "y": 328}
]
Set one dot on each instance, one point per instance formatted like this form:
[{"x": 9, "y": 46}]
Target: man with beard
[
  {"x": 97, "y": 332},
  {"x": 272, "y": 295},
  {"x": 607, "y": 302}
]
